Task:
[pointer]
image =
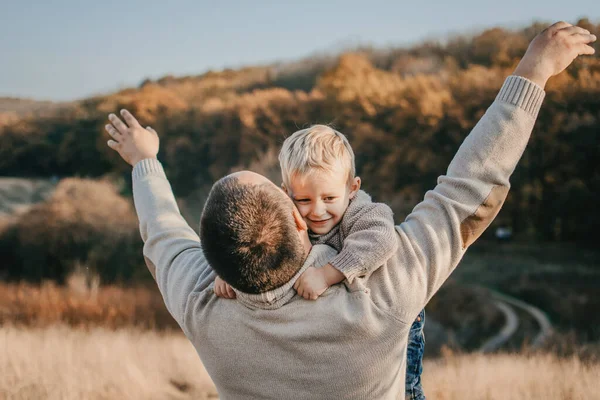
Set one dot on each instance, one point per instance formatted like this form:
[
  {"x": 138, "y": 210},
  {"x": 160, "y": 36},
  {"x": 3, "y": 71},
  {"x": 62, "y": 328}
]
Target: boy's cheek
[{"x": 303, "y": 210}]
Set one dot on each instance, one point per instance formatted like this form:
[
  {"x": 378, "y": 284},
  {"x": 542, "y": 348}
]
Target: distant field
[
  {"x": 23, "y": 107},
  {"x": 79, "y": 304},
  {"x": 64, "y": 363},
  {"x": 561, "y": 279},
  {"x": 458, "y": 317},
  {"x": 17, "y": 194}
]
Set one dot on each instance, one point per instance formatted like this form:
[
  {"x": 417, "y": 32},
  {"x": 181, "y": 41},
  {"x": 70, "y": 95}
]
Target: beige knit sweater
[
  {"x": 351, "y": 342},
  {"x": 365, "y": 238}
]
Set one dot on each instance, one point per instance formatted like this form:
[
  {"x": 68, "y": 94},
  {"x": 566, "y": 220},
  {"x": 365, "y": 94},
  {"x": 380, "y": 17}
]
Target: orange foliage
[{"x": 79, "y": 306}]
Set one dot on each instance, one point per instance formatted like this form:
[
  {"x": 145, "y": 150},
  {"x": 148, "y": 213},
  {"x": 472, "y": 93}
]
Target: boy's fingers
[
  {"x": 113, "y": 145},
  {"x": 117, "y": 123},
  {"x": 230, "y": 291},
  {"x": 308, "y": 293},
  {"x": 130, "y": 119},
  {"x": 151, "y": 130}
]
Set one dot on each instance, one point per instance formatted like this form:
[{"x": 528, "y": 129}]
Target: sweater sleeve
[
  {"x": 369, "y": 238},
  {"x": 172, "y": 249},
  {"x": 435, "y": 235}
]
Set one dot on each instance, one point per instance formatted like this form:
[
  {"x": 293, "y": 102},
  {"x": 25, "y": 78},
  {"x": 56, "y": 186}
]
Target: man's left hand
[{"x": 130, "y": 139}]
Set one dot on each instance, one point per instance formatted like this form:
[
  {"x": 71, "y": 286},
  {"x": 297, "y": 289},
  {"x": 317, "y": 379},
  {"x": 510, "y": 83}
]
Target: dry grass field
[
  {"x": 60, "y": 362},
  {"x": 83, "y": 304}
]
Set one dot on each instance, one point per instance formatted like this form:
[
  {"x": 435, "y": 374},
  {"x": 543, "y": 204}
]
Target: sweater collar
[{"x": 319, "y": 256}]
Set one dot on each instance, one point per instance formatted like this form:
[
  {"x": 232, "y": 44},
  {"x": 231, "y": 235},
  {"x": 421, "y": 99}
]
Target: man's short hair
[
  {"x": 315, "y": 149},
  {"x": 249, "y": 235}
]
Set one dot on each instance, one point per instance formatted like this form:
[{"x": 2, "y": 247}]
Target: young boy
[{"x": 318, "y": 171}]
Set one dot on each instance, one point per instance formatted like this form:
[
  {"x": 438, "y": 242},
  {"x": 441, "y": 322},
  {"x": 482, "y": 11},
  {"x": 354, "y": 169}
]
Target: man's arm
[
  {"x": 170, "y": 245},
  {"x": 434, "y": 237},
  {"x": 436, "y": 234},
  {"x": 172, "y": 249}
]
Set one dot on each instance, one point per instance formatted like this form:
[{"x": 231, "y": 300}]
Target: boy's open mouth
[{"x": 321, "y": 222}]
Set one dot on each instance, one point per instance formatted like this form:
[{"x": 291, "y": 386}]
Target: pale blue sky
[{"x": 64, "y": 50}]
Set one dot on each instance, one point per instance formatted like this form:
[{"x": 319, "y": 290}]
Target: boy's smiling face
[{"x": 322, "y": 197}]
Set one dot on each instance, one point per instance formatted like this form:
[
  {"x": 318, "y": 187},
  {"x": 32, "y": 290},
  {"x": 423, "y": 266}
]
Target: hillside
[
  {"x": 405, "y": 111},
  {"x": 17, "y": 195},
  {"x": 21, "y": 106}
]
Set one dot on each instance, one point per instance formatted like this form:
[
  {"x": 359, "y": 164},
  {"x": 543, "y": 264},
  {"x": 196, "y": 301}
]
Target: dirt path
[
  {"x": 507, "y": 305},
  {"x": 508, "y": 330}
]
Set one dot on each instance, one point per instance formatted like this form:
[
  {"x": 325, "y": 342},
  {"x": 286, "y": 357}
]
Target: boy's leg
[{"x": 414, "y": 359}]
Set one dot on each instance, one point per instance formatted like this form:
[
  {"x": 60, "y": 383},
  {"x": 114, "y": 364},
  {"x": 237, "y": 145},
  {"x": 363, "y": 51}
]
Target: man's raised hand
[
  {"x": 553, "y": 50},
  {"x": 133, "y": 142}
]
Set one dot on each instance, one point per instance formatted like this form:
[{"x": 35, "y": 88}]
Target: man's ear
[
  {"x": 354, "y": 187},
  {"x": 300, "y": 223}
]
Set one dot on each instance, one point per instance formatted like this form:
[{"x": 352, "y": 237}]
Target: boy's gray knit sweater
[
  {"x": 365, "y": 237},
  {"x": 351, "y": 342}
]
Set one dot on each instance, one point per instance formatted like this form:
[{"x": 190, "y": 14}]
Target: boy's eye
[
  {"x": 331, "y": 198},
  {"x": 302, "y": 200}
]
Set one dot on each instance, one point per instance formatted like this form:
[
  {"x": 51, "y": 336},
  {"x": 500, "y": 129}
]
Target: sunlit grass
[{"x": 60, "y": 362}]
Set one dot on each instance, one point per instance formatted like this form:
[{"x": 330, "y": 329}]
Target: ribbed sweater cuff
[
  {"x": 148, "y": 166},
  {"x": 522, "y": 93},
  {"x": 348, "y": 264}
]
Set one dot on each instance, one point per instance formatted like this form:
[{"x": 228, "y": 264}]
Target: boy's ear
[
  {"x": 285, "y": 189},
  {"x": 354, "y": 187},
  {"x": 300, "y": 223}
]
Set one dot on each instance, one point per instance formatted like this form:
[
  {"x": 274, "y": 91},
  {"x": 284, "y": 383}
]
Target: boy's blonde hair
[{"x": 316, "y": 149}]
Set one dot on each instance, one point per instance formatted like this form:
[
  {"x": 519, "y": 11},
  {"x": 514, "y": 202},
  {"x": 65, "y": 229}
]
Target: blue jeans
[{"x": 414, "y": 359}]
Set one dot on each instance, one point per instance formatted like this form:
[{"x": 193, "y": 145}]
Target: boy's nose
[{"x": 318, "y": 210}]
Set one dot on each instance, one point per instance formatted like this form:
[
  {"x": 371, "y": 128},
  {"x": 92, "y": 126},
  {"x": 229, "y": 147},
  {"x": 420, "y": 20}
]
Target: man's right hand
[{"x": 553, "y": 50}]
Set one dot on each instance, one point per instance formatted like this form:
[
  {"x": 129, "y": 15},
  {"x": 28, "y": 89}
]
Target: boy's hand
[
  {"x": 223, "y": 289},
  {"x": 130, "y": 140},
  {"x": 314, "y": 281},
  {"x": 311, "y": 284},
  {"x": 553, "y": 50}
]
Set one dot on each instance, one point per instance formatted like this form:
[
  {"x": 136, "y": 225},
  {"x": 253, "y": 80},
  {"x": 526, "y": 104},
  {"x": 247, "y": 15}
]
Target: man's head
[
  {"x": 251, "y": 233},
  {"x": 318, "y": 171}
]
